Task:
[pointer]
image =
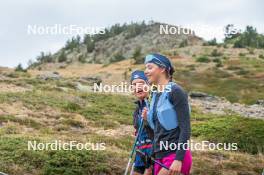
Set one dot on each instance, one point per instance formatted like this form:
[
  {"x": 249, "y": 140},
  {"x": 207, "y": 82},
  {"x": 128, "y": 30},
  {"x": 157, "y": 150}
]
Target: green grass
[
  {"x": 221, "y": 83},
  {"x": 203, "y": 59},
  {"x": 105, "y": 110},
  {"x": 110, "y": 108},
  {"x": 246, "y": 132},
  {"x": 14, "y": 152},
  {"x": 22, "y": 121}
]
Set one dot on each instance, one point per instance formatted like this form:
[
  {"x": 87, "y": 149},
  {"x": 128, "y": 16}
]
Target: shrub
[
  {"x": 44, "y": 58},
  {"x": 134, "y": 29},
  {"x": 225, "y": 57},
  {"x": 219, "y": 64},
  {"x": 19, "y": 68},
  {"x": 261, "y": 56},
  {"x": 242, "y": 72},
  {"x": 203, "y": 59},
  {"x": 81, "y": 58},
  {"x": 251, "y": 51},
  {"x": 117, "y": 57},
  {"x": 74, "y": 42},
  {"x": 71, "y": 107},
  {"x": 184, "y": 43},
  {"x": 137, "y": 56},
  {"x": 215, "y": 53},
  {"x": 242, "y": 54},
  {"x": 216, "y": 60},
  {"x": 175, "y": 53},
  {"x": 250, "y": 38},
  {"x": 212, "y": 42},
  {"x": 89, "y": 42},
  {"x": 246, "y": 132},
  {"x": 62, "y": 57},
  {"x": 235, "y": 68}
]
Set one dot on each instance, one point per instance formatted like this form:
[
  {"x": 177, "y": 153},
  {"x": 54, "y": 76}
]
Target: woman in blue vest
[
  {"x": 140, "y": 86},
  {"x": 169, "y": 117}
]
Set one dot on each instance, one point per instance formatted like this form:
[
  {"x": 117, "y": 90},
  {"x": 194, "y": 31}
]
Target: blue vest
[{"x": 166, "y": 113}]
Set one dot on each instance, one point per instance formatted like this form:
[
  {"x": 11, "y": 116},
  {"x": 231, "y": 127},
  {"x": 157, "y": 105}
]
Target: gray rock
[
  {"x": 2, "y": 77},
  {"x": 62, "y": 89},
  {"x": 260, "y": 102},
  {"x": 91, "y": 80},
  {"x": 49, "y": 76},
  {"x": 194, "y": 94},
  {"x": 83, "y": 88},
  {"x": 222, "y": 106},
  {"x": 202, "y": 95}
]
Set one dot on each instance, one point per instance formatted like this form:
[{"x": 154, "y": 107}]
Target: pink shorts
[{"x": 167, "y": 161}]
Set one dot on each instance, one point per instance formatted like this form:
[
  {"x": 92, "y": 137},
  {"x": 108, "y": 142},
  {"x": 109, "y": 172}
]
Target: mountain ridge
[{"x": 119, "y": 43}]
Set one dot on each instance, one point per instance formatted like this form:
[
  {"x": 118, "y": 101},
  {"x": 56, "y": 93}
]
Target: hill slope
[{"x": 118, "y": 43}]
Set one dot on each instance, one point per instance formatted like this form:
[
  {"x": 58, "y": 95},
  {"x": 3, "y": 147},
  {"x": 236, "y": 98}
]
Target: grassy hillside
[
  {"x": 235, "y": 74},
  {"x": 63, "y": 108},
  {"x": 43, "y": 112}
]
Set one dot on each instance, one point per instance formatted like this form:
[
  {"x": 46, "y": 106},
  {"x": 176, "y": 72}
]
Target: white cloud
[{"x": 16, "y": 46}]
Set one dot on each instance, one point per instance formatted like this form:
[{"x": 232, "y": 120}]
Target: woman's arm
[{"x": 180, "y": 101}]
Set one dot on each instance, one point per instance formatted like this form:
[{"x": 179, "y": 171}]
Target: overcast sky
[{"x": 207, "y": 16}]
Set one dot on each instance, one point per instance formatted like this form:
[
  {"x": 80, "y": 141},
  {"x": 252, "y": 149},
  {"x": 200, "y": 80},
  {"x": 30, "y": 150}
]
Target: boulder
[
  {"x": 260, "y": 102},
  {"x": 91, "y": 80},
  {"x": 204, "y": 96},
  {"x": 49, "y": 76},
  {"x": 194, "y": 94},
  {"x": 83, "y": 88}
]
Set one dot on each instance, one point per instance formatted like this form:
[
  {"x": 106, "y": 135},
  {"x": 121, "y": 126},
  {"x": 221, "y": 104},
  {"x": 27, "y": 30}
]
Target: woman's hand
[
  {"x": 175, "y": 167},
  {"x": 144, "y": 113},
  {"x": 148, "y": 171}
]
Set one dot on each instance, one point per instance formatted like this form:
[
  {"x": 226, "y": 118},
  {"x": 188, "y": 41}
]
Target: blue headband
[
  {"x": 138, "y": 75},
  {"x": 161, "y": 61}
]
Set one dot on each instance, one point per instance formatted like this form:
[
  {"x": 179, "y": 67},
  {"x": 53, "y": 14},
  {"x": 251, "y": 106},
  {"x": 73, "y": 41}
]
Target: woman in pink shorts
[{"x": 169, "y": 117}]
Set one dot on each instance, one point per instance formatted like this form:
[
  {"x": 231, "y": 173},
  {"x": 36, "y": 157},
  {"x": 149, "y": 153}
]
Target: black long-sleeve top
[{"x": 181, "y": 134}]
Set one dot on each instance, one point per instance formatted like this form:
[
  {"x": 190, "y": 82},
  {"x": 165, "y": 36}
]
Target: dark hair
[{"x": 171, "y": 71}]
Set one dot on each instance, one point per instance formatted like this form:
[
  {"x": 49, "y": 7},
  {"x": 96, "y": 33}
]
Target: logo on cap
[{"x": 136, "y": 76}]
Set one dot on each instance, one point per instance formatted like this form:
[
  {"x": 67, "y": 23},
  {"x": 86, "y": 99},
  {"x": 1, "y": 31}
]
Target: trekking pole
[
  {"x": 132, "y": 169},
  {"x": 134, "y": 146},
  {"x": 152, "y": 159},
  {"x": 1, "y": 173},
  {"x": 135, "y": 142}
]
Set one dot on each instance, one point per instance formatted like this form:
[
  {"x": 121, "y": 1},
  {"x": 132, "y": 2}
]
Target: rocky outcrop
[
  {"x": 203, "y": 96},
  {"x": 216, "y": 105},
  {"x": 49, "y": 76}
]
